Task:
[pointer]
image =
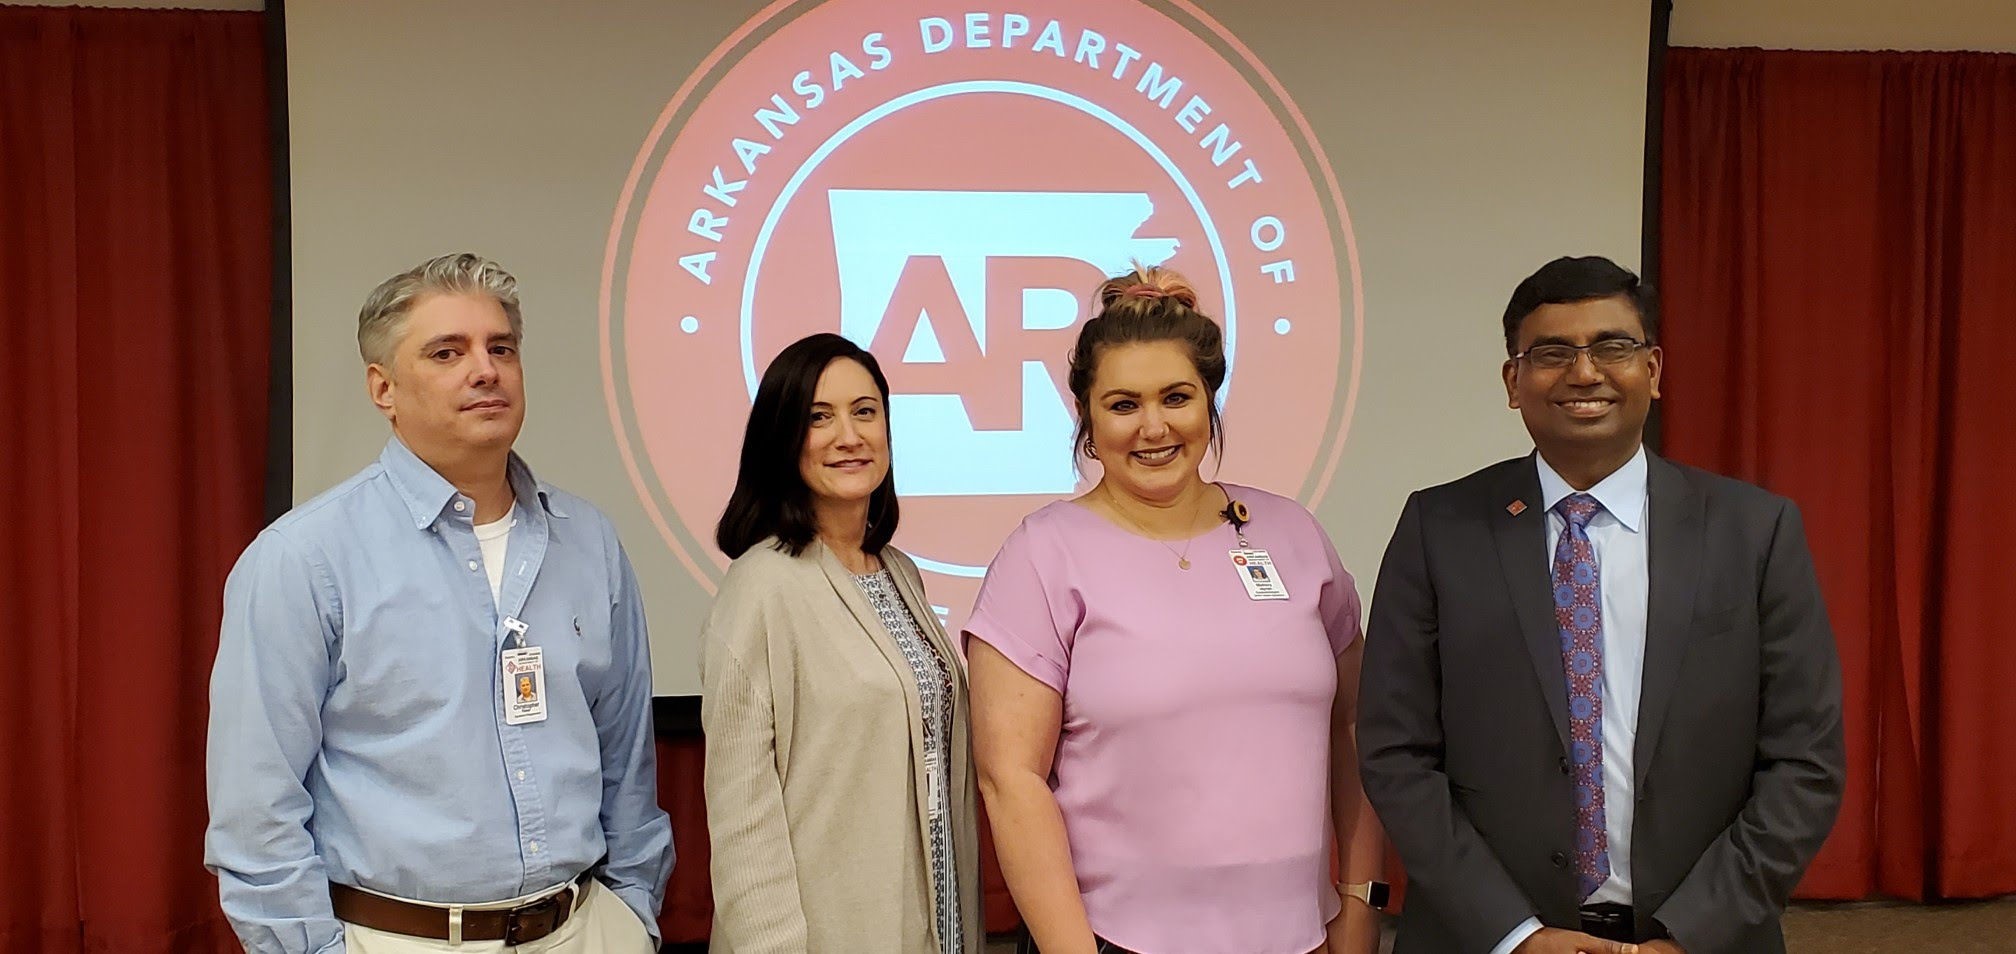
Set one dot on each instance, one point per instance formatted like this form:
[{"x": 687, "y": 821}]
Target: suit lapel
[
  {"x": 1521, "y": 540},
  {"x": 1675, "y": 552}
]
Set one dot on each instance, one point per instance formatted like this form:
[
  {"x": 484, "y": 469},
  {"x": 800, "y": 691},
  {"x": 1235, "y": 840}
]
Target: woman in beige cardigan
[{"x": 840, "y": 792}]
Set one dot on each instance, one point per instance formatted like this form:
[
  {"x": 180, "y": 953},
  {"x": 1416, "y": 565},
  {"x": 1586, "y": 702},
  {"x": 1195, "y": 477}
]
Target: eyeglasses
[{"x": 1609, "y": 352}]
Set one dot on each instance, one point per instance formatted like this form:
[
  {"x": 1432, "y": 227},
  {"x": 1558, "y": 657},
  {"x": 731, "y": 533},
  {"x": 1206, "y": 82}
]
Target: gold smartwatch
[{"x": 1373, "y": 893}]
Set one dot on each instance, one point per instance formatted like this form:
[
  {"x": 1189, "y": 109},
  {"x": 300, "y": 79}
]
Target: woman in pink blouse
[{"x": 1164, "y": 678}]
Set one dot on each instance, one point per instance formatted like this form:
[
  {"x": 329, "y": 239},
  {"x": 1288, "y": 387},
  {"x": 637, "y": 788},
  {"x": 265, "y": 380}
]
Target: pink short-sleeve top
[{"x": 1192, "y": 769}]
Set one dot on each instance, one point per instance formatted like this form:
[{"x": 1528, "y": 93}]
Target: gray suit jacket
[{"x": 1463, "y": 727}]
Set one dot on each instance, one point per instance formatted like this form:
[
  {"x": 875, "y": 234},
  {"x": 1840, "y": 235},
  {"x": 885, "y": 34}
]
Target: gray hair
[{"x": 383, "y": 317}]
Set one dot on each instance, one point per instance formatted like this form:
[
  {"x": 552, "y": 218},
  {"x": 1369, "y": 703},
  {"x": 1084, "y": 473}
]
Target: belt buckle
[
  {"x": 1607, "y": 916},
  {"x": 531, "y": 922}
]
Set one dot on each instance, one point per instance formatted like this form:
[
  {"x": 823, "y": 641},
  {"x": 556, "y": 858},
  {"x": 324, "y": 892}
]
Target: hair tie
[{"x": 1143, "y": 291}]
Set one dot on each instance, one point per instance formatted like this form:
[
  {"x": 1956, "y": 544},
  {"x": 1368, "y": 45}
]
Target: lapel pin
[{"x": 1516, "y": 507}]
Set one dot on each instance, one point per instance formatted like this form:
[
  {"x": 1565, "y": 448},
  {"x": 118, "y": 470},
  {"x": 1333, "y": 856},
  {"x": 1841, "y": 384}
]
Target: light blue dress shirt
[
  {"x": 1619, "y": 535},
  {"x": 357, "y": 728}
]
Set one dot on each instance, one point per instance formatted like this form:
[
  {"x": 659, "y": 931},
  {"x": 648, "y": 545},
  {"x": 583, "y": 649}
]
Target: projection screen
[{"x": 683, "y": 188}]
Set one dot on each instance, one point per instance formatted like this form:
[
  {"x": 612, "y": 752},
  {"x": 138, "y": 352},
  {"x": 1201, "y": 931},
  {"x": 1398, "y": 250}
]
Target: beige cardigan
[{"x": 815, "y": 764}]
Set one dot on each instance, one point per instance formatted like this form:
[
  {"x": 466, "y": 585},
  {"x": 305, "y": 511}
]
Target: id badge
[
  {"x": 524, "y": 685},
  {"x": 1257, "y": 573},
  {"x": 934, "y": 788}
]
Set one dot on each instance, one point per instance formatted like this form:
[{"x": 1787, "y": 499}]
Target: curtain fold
[
  {"x": 135, "y": 216},
  {"x": 1839, "y": 280}
]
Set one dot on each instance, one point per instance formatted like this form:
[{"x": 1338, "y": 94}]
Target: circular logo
[{"x": 946, "y": 188}]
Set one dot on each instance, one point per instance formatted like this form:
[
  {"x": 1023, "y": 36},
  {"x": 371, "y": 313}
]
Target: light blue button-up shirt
[
  {"x": 357, "y": 728},
  {"x": 1618, "y": 536}
]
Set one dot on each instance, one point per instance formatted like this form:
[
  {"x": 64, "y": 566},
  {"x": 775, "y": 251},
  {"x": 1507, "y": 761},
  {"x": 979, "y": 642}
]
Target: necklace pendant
[{"x": 1183, "y": 563}]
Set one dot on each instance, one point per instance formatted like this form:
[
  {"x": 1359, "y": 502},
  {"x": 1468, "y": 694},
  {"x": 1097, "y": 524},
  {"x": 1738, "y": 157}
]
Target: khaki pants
[{"x": 601, "y": 924}]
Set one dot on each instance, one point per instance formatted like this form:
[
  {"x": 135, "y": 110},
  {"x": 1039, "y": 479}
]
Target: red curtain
[
  {"x": 689, "y": 897},
  {"x": 1839, "y": 270},
  {"x": 134, "y": 296}
]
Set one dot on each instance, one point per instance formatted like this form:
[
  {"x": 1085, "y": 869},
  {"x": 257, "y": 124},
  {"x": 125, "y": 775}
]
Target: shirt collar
[
  {"x": 426, "y": 493},
  {"x": 1622, "y": 493}
]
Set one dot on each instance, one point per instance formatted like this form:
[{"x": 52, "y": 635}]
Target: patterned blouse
[{"x": 934, "y": 692}]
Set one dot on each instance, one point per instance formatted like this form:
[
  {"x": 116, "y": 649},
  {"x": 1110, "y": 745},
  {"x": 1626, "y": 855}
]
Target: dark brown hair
[
  {"x": 1146, "y": 305},
  {"x": 770, "y": 497}
]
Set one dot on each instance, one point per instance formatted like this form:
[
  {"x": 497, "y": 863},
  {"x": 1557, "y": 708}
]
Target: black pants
[
  {"x": 1611, "y": 922},
  {"x": 1027, "y": 945}
]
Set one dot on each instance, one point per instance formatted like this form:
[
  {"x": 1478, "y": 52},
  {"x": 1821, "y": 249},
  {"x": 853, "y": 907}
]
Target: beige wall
[{"x": 1847, "y": 24}]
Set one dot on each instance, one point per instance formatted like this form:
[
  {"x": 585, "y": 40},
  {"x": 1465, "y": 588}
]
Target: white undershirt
[{"x": 494, "y": 537}]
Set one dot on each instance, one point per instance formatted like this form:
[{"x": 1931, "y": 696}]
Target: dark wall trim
[
  {"x": 1655, "y": 119},
  {"x": 280, "y": 376},
  {"x": 675, "y": 716}
]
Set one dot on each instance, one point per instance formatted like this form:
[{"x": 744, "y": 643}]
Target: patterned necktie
[{"x": 1578, "y": 611}]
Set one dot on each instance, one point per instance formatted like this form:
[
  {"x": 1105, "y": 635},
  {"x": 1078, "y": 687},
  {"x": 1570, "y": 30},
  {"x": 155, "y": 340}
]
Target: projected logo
[{"x": 946, "y": 187}]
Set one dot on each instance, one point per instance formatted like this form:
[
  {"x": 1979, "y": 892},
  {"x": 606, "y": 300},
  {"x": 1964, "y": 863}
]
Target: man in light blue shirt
[{"x": 430, "y": 712}]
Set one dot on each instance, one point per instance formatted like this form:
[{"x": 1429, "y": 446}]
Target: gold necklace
[{"x": 1183, "y": 556}]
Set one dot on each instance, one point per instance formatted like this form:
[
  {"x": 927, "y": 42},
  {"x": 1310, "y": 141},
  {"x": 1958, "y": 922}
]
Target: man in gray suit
[{"x": 1601, "y": 706}]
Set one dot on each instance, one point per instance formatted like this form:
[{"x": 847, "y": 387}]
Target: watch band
[{"x": 1375, "y": 894}]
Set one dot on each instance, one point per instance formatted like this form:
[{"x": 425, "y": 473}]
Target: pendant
[{"x": 1183, "y": 563}]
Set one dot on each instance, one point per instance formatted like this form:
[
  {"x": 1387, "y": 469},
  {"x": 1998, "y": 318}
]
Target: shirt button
[
  {"x": 460, "y": 506},
  {"x": 521, "y": 775},
  {"x": 1560, "y": 860},
  {"x": 472, "y": 564},
  {"x": 532, "y": 846}
]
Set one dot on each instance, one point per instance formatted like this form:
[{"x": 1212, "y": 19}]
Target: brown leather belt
[{"x": 520, "y": 925}]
